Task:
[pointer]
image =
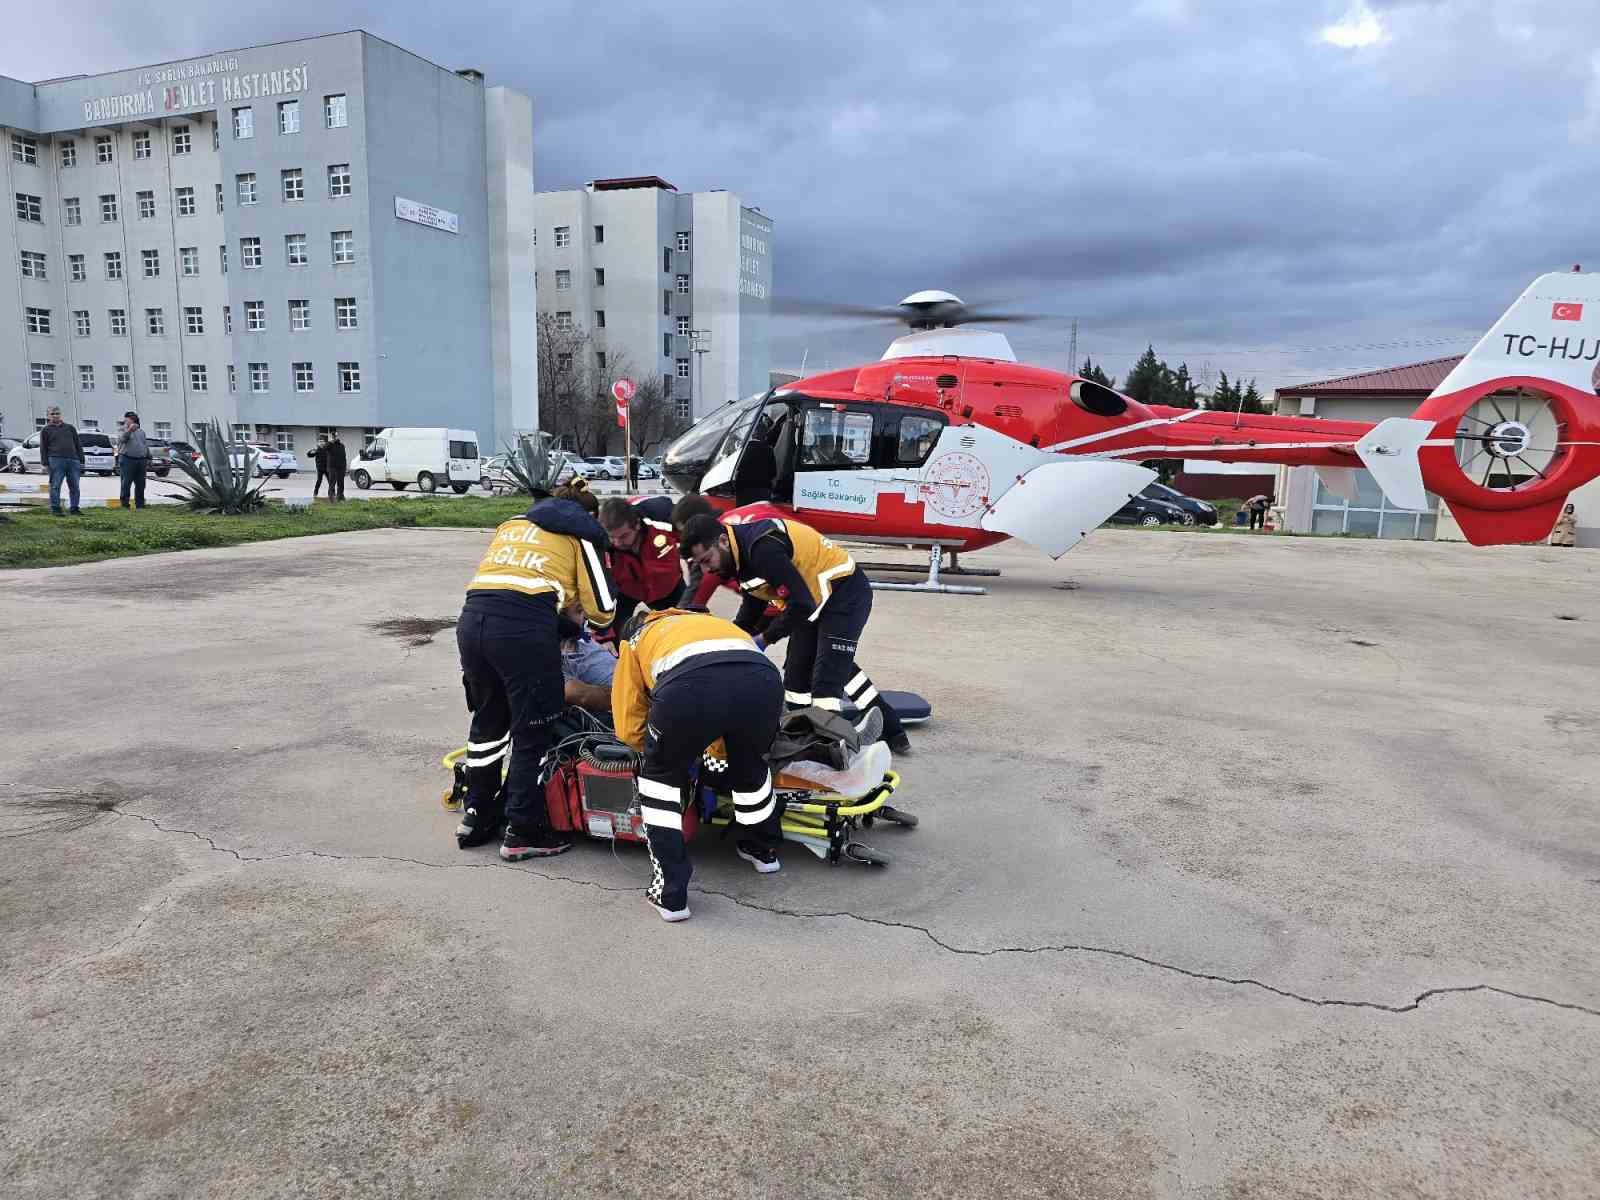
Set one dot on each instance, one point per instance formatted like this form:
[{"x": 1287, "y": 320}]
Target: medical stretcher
[{"x": 592, "y": 789}]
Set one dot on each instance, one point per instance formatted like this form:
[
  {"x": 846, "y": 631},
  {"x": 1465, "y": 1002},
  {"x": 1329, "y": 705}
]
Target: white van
[{"x": 428, "y": 458}]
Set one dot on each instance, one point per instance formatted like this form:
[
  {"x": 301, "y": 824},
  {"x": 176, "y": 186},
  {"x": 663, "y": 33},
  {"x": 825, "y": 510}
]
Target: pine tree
[
  {"x": 1147, "y": 381},
  {"x": 1225, "y": 396},
  {"x": 1253, "y": 402},
  {"x": 1092, "y": 372},
  {"x": 1182, "y": 391}
]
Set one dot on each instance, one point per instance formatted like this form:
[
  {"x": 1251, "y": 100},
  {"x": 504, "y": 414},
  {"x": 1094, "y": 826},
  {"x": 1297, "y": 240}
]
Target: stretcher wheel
[{"x": 857, "y": 852}]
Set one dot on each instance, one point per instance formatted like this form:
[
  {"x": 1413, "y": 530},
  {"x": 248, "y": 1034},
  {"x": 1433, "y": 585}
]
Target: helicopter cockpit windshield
[{"x": 718, "y": 437}]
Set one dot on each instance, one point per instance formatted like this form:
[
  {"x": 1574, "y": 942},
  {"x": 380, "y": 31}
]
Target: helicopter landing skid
[{"x": 932, "y": 583}]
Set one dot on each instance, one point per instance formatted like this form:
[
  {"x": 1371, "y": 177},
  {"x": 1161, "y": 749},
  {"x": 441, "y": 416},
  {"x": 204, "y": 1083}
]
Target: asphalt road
[{"x": 1248, "y": 867}]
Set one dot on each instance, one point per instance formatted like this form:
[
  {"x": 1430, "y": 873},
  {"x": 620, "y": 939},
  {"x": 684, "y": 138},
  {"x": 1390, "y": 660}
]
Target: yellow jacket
[
  {"x": 669, "y": 643},
  {"x": 526, "y": 559},
  {"x": 773, "y": 558}
]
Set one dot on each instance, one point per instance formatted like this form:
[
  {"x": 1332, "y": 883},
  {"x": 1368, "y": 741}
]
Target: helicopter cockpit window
[
  {"x": 835, "y": 437},
  {"x": 916, "y": 441},
  {"x": 738, "y": 429}
]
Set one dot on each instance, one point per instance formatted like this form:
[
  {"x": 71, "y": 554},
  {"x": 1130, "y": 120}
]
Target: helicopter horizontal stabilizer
[
  {"x": 1389, "y": 452},
  {"x": 1054, "y": 505}
]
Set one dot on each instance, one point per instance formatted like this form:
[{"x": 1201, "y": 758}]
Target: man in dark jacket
[
  {"x": 62, "y": 455},
  {"x": 320, "y": 457},
  {"x": 336, "y": 464},
  {"x": 133, "y": 459}
]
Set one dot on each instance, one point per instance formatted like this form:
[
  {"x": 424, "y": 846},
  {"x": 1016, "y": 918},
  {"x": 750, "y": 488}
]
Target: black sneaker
[
  {"x": 900, "y": 744},
  {"x": 763, "y": 858},
  {"x": 476, "y": 829},
  {"x": 541, "y": 843}
]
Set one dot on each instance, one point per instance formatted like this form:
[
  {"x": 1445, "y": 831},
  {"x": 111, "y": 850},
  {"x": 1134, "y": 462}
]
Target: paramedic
[
  {"x": 683, "y": 681},
  {"x": 510, "y": 648},
  {"x": 644, "y": 554},
  {"x": 825, "y": 598}
]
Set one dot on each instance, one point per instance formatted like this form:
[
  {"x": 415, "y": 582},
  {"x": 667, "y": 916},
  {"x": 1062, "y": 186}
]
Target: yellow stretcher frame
[{"x": 821, "y": 823}]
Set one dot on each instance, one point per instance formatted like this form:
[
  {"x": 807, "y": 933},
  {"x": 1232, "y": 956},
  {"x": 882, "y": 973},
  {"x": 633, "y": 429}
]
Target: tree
[
  {"x": 1092, "y": 372},
  {"x": 1253, "y": 403},
  {"x": 564, "y": 353},
  {"x": 1225, "y": 396},
  {"x": 1181, "y": 391},
  {"x": 1147, "y": 380},
  {"x": 654, "y": 417}
]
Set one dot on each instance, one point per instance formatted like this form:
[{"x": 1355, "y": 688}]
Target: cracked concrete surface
[{"x": 1208, "y": 899}]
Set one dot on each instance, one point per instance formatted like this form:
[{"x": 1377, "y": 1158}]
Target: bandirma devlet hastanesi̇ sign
[{"x": 426, "y": 214}]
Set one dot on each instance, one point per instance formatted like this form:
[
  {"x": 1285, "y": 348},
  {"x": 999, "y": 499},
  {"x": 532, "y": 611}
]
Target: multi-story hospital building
[{"x": 328, "y": 233}]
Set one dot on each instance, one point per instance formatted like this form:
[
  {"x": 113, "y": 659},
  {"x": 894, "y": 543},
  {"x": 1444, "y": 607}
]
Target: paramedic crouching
[
  {"x": 683, "y": 681},
  {"x": 509, "y": 639},
  {"x": 826, "y": 600}
]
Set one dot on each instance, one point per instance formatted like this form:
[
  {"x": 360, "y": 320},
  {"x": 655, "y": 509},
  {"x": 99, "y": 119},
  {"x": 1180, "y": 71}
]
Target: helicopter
[{"x": 949, "y": 442}]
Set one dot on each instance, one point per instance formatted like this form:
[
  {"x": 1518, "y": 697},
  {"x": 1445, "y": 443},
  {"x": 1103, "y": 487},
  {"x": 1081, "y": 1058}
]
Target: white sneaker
[{"x": 670, "y": 915}]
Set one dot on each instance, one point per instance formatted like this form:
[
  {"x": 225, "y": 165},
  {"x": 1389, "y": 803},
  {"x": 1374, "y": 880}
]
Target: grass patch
[{"x": 34, "y": 538}]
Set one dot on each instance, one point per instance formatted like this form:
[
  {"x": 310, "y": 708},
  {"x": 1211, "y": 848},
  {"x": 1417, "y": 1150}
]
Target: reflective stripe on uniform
[
  {"x": 654, "y": 789},
  {"x": 752, "y": 808},
  {"x": 597, "y": 576},
  {"x": 662, "y": 818},
  {"x": 482, "y": 746},
  {"x": 532, "y": 584},
  {"x": 488, "y": 759},
  {"x": 829, "y": 703},
  {"x": 667, "y": 662},
  {"x": 825, "y": 583},
  {"x": 800, "y": 698}
]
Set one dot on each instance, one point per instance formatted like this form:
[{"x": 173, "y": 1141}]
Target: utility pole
[
  {"x": 700, "y": 343},
  {"x": 1072, "y": 349}
]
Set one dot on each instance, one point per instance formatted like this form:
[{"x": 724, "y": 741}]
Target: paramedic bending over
[{"x": 683, "y": 681}]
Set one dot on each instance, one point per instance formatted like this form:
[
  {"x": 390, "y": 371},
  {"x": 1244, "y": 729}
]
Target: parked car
[
  {"x": 98, "y": 454},
  {"x": 570, "y": 467},
  {"x": 427, "y": 457},
  {"x": 1203, "y": 513},
  {"x": 649, "y": 468},
  {"x": 281, "y": 463},
  {"x": 185, "y": 449},
  {"x": 1142, "y": 510},
  {"x": 601, "y": 467}
]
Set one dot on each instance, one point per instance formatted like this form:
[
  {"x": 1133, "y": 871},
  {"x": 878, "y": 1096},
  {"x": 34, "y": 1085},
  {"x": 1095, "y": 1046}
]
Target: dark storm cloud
[{"x": 1218, "y": 179}]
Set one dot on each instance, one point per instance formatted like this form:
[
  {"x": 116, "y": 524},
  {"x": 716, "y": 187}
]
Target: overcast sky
[{"x": 1284, "y": 189}]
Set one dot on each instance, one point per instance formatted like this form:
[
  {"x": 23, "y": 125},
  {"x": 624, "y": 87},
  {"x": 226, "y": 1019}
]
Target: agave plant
[
  {"x": 528, "y": 463},
  {"x": 216, "y": 484}
]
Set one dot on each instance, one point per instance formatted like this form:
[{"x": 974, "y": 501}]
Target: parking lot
[
  {"x": 1248, "y": 867},
  {"x": 32, "y": 488}
]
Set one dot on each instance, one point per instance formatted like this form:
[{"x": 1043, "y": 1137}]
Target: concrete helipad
[{"x": 1249, "y": 867}]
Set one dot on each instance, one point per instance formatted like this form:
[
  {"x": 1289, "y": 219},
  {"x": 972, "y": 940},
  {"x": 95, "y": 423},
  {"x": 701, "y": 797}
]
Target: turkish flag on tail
[{"x": 1566, "y": 312}]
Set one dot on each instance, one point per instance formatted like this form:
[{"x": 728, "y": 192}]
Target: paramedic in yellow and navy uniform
[
  {"x": 826, "y": 600},
  {"x": 683, "y": 681},
  {"x": 510, "y": 642}
]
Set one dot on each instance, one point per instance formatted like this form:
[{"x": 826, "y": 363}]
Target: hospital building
[{"x": 330, "y": 233}]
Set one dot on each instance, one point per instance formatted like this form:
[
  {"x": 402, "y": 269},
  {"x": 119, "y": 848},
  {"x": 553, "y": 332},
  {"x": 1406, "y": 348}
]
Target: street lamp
[{"x": 700, "y": 343}]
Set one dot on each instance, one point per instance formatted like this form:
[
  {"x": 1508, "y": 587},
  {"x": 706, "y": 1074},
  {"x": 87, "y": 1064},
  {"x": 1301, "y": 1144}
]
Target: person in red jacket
[{"x": 645, "y": 563}]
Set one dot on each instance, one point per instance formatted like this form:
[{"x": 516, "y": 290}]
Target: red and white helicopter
[{"x": 949, "y": 442}]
